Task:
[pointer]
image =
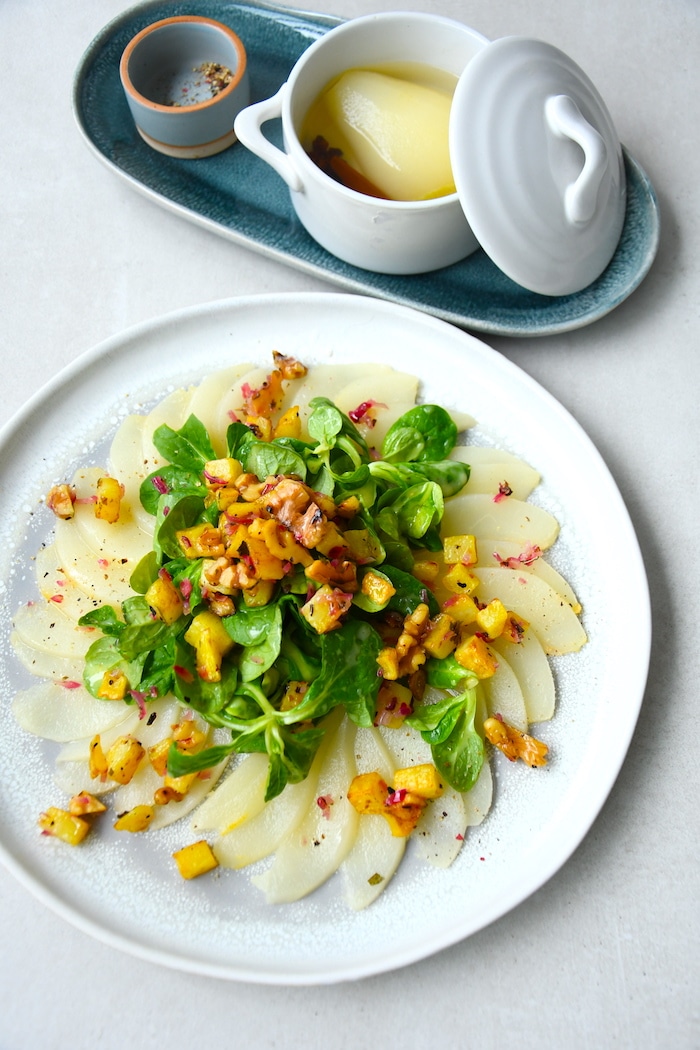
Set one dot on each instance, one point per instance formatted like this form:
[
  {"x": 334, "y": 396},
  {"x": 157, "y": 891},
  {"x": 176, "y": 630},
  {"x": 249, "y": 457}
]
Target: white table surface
[{"x": 606, "y": 953}]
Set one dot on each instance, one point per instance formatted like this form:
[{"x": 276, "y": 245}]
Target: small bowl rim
[{"x": 158, "y": 107}]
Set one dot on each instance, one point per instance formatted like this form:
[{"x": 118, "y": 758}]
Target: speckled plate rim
[
  {"x": 537, "y": 823},
  {"x": 441, "y": 294}
]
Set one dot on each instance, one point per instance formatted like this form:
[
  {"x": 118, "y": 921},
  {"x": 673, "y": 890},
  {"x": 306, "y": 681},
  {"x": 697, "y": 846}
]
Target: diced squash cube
[
  {"x": 368, "y": 793},
  {"x": 332, "y": 542},
  {"x": 123, "y": 758},
  {"x": 474, "y": 655},
  {"x": 266, "y": 566},
  {"x": 377, "y": 588},
  {"x": 323, "y": 611},
  {"x": 394, "y": 704},
  {"x": 402, "y": 812},
  {"x": 423, "y": 780},
  {"x": 289, "y": 423},
  {"x": 261, "y": 427},
  {"x": 259, "y": 594},
  {"x": 460, "y": 549},
  {"x": 388, "y": 661},
  {"x": 158, "y": 756},
  {"x": 492, "y": 618},
  {"x": 293, "y": 695},
  {"x": 362, "y": 545},
  {"x": 515, "y": 628},
  {"x": 201, "y": 541},
  {"x": 514, "y": 744},
  {"x": 85, "y": 803},
  {"x": 136, "y": 819},
  {"x": 461, "y": 607},
  {"x": 114, "y": 686},
  {"x": 218, "y": 473},
  {"x": 188, "y": 736},
  {"x": 165, "y": 599},
  {"x": 440, "y": 639},
  {"x": 459, "y": 580},
  {"x": 109, "y": 497},
  {"x": 195, "y": 859},
  {"x": 97, "y": 762},
  {"x": 211, "y": 642},
  {"x": 63, "y": 825},
  {"x": 426, "y": 571}
]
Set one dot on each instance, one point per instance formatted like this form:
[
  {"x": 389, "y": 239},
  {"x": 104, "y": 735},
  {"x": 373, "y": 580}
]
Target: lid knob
[{"x": 566, "y": 120}]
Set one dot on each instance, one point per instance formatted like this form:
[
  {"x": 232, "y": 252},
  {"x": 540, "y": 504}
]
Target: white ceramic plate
[{"x": 126, "y": 892}]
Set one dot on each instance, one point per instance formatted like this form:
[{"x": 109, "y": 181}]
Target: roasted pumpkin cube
[
  {"x": 158, "y": 755},
  {"x": 201, "y": 541},
  {"x": 461, "y": 607},
  {"x": 333, "y": 541},
  {"x": 261, "y": 427},
  {"x": 394, "y": 704},
  {"x": 289, "y": 423},
  {"x": 293, "y": 695},
  {"x": 388, "y": 661},
  {"x": 514, "y": 744},
  {"x": 83, "y": 804},
  {"x": 114, "y": 686},
  {"x": 363, "y": 546},
  {"x": 211, "y": 642},
  {"x": 423, "y": 780},
  {"x": 440, "y": 638},
  {"x": 261, "y": 593},
  {"x": 402, "y": 811},
  {"x": 123, "y": 758},
  {"x": 459, "y": 580},
  {"x": 368, "y": 793},
  {"x": 218, "y": 473},
  {"x": 97, "y": 762},
  {"x": 514, "y": 628},
  {"x": 426, "y": 570},
  {"x": 266, "y": 566},
  {"x": 188, "y": 735},
  {"x": 165, "y": 599},
  {"x": 324, "y": 610},
  {"x": 492, "y": 618},
  {"x": 63, "y": 825},
  {"x": 377, "y": 588},
  {"x": 195, "y": 859},
  {"x": 460, "y": 549},
  {"x": 109, "y": 498},
  {"x": 474, "y": 655},
  {"x": 134, "y": 820}
]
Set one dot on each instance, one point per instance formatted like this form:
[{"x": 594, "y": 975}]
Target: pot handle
[
  {"x": 247, "y": 128},
  {"x": 566, "y": 120}
]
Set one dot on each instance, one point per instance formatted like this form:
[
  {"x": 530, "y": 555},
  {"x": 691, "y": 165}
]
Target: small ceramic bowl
[{"x": 185, "y": 81}]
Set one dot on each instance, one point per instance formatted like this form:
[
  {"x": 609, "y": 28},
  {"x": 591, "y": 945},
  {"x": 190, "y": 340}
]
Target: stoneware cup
[
  {"x": 393, "y": 237},
  {"x": 169, "y": 97}
]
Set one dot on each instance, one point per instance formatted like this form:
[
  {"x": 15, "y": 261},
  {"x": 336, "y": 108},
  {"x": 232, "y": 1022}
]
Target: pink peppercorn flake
[{"x": 69, "y": 683}]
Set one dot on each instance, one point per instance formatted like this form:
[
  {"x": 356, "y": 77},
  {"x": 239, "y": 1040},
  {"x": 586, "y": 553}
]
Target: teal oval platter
[{"x": 237, "y": 196}]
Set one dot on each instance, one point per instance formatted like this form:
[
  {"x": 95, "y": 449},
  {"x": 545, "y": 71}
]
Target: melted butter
[{"x": 387, "y": 126}]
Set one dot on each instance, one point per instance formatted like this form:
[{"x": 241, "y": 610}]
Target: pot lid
[{"x": 537, "y": 165}]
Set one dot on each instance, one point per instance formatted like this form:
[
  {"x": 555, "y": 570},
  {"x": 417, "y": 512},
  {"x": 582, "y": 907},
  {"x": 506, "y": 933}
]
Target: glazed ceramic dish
[
  {"x": 237, "y": 196},
  {"x": 127, "y": 893}
]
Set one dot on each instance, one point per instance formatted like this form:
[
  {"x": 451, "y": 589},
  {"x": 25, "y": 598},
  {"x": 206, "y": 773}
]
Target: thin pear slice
[
  {"x": 505, "y": 697},
  {"x": 105, "y": 580},
  {"x": 110, "y": 541},
  {"x": 40, "y": 626},
  {"x": 510, "y": 519},
  {"x": 477, "y": 802},
  {"x": 528, "y": 660},
  {"x": 493, "y": 552},
  {"x": 126, "y": 463},
  {"x": 59, "y": 591},
  {"x": 240, "y": 797},
  {"x": 206, "y": 402},
  {"x": 489, "y": 479},
  {"x": 55, "y": 713},
  {"x": 313, "y": 851},
  {"x": 39, "y": 662},
  {"x": 372, "y": 861},
  {"x": 550, "y": 617},
  {"x": 172, "y": 410}
]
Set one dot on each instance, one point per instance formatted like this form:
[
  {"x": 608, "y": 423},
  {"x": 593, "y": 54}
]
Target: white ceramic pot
[{"x": 394, "y": 237}]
